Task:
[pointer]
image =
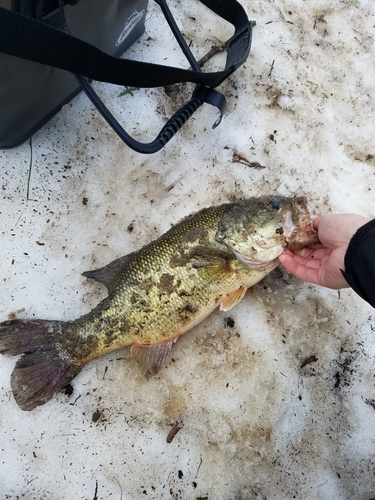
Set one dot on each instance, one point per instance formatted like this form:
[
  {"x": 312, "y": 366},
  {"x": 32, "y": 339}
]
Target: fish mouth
[
  {"x": 256, "y": 265},
  {"x": 298, "y": 227},
  {"x": 303, "y": 237}
]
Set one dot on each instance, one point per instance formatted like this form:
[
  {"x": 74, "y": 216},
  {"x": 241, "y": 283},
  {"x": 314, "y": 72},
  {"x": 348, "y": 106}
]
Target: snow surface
[{"x": 258, "y": 422}]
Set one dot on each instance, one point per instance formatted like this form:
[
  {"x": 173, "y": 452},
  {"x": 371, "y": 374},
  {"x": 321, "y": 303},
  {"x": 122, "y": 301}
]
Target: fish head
[{"x": 257, "y": 230}]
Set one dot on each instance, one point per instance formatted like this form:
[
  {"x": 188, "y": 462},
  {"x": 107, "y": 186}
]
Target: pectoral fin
[
  {"x": 233, "y": 298},
  {"x": 216, "y": 264},
  {"x": 151, "y": 357}
]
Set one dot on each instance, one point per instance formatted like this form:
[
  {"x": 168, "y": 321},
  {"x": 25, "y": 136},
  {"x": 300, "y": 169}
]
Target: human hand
[{"x": 321, "y": 264}]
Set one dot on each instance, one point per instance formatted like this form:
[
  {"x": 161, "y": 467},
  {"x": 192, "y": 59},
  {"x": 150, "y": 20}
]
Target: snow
[{"x": 276, "y": 396}]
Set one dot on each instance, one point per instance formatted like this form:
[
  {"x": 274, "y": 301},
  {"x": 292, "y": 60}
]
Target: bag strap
[{"x": 36, "y": 41}]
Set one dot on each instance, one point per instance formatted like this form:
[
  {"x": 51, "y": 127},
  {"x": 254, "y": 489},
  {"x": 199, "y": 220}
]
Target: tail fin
[{"x": 44, "y": 368}]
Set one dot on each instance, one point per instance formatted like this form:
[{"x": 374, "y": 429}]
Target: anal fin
[
  {"x": 151, "y": 357},
  {"x": 233, "y": 298}
]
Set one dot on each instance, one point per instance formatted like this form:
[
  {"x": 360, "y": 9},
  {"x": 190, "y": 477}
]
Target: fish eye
[{"x": 274, "y": 205}]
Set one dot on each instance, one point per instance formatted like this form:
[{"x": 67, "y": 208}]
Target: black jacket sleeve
[{"x": 360, "y": 262}]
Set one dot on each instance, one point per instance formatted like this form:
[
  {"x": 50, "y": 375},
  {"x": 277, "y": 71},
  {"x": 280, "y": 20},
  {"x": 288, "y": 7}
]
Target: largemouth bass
[{"x": 156, "y": 294}]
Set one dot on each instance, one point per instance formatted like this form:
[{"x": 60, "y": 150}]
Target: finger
[
  {"x": 300, "y": 270},
  {"x": 317, "y": 254},
  {"x": 317, "y": 221},
  {"x": 307, "y": 254},
  {"x": 303, "y": 252},
  {"x": 299, "y": 261}
]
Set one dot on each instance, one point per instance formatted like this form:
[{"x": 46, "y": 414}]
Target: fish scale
[
  {"x": 157, "y": 293},
  {"x": 152, "y": 316}
]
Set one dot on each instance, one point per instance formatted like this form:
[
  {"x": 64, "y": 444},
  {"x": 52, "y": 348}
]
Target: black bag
[{"x": 51, "y": 49}]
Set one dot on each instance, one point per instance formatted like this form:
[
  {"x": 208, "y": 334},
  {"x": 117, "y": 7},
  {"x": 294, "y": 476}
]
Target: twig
[
  {"x": 370, "y": 402},
  {"x": 215, "y": 50},
  {"x": 272, "y": 65},
  {"x": 96, "y": 491},
  {"x": 199, "y": 466},
  {"x": 178, "y": 426},
  {"x": 19, "y": 218},
  {"x": 76, "y": 399},
  {"x": 238, "y": 158},
  {"x": 118, "y": 482},
  {"x": 30, "y": 167},
  {"x": 307, "y": 361}
]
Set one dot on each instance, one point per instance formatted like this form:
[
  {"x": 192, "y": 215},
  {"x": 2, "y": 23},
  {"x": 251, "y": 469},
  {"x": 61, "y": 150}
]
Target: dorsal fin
[{"x": 107, "y": 275}]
